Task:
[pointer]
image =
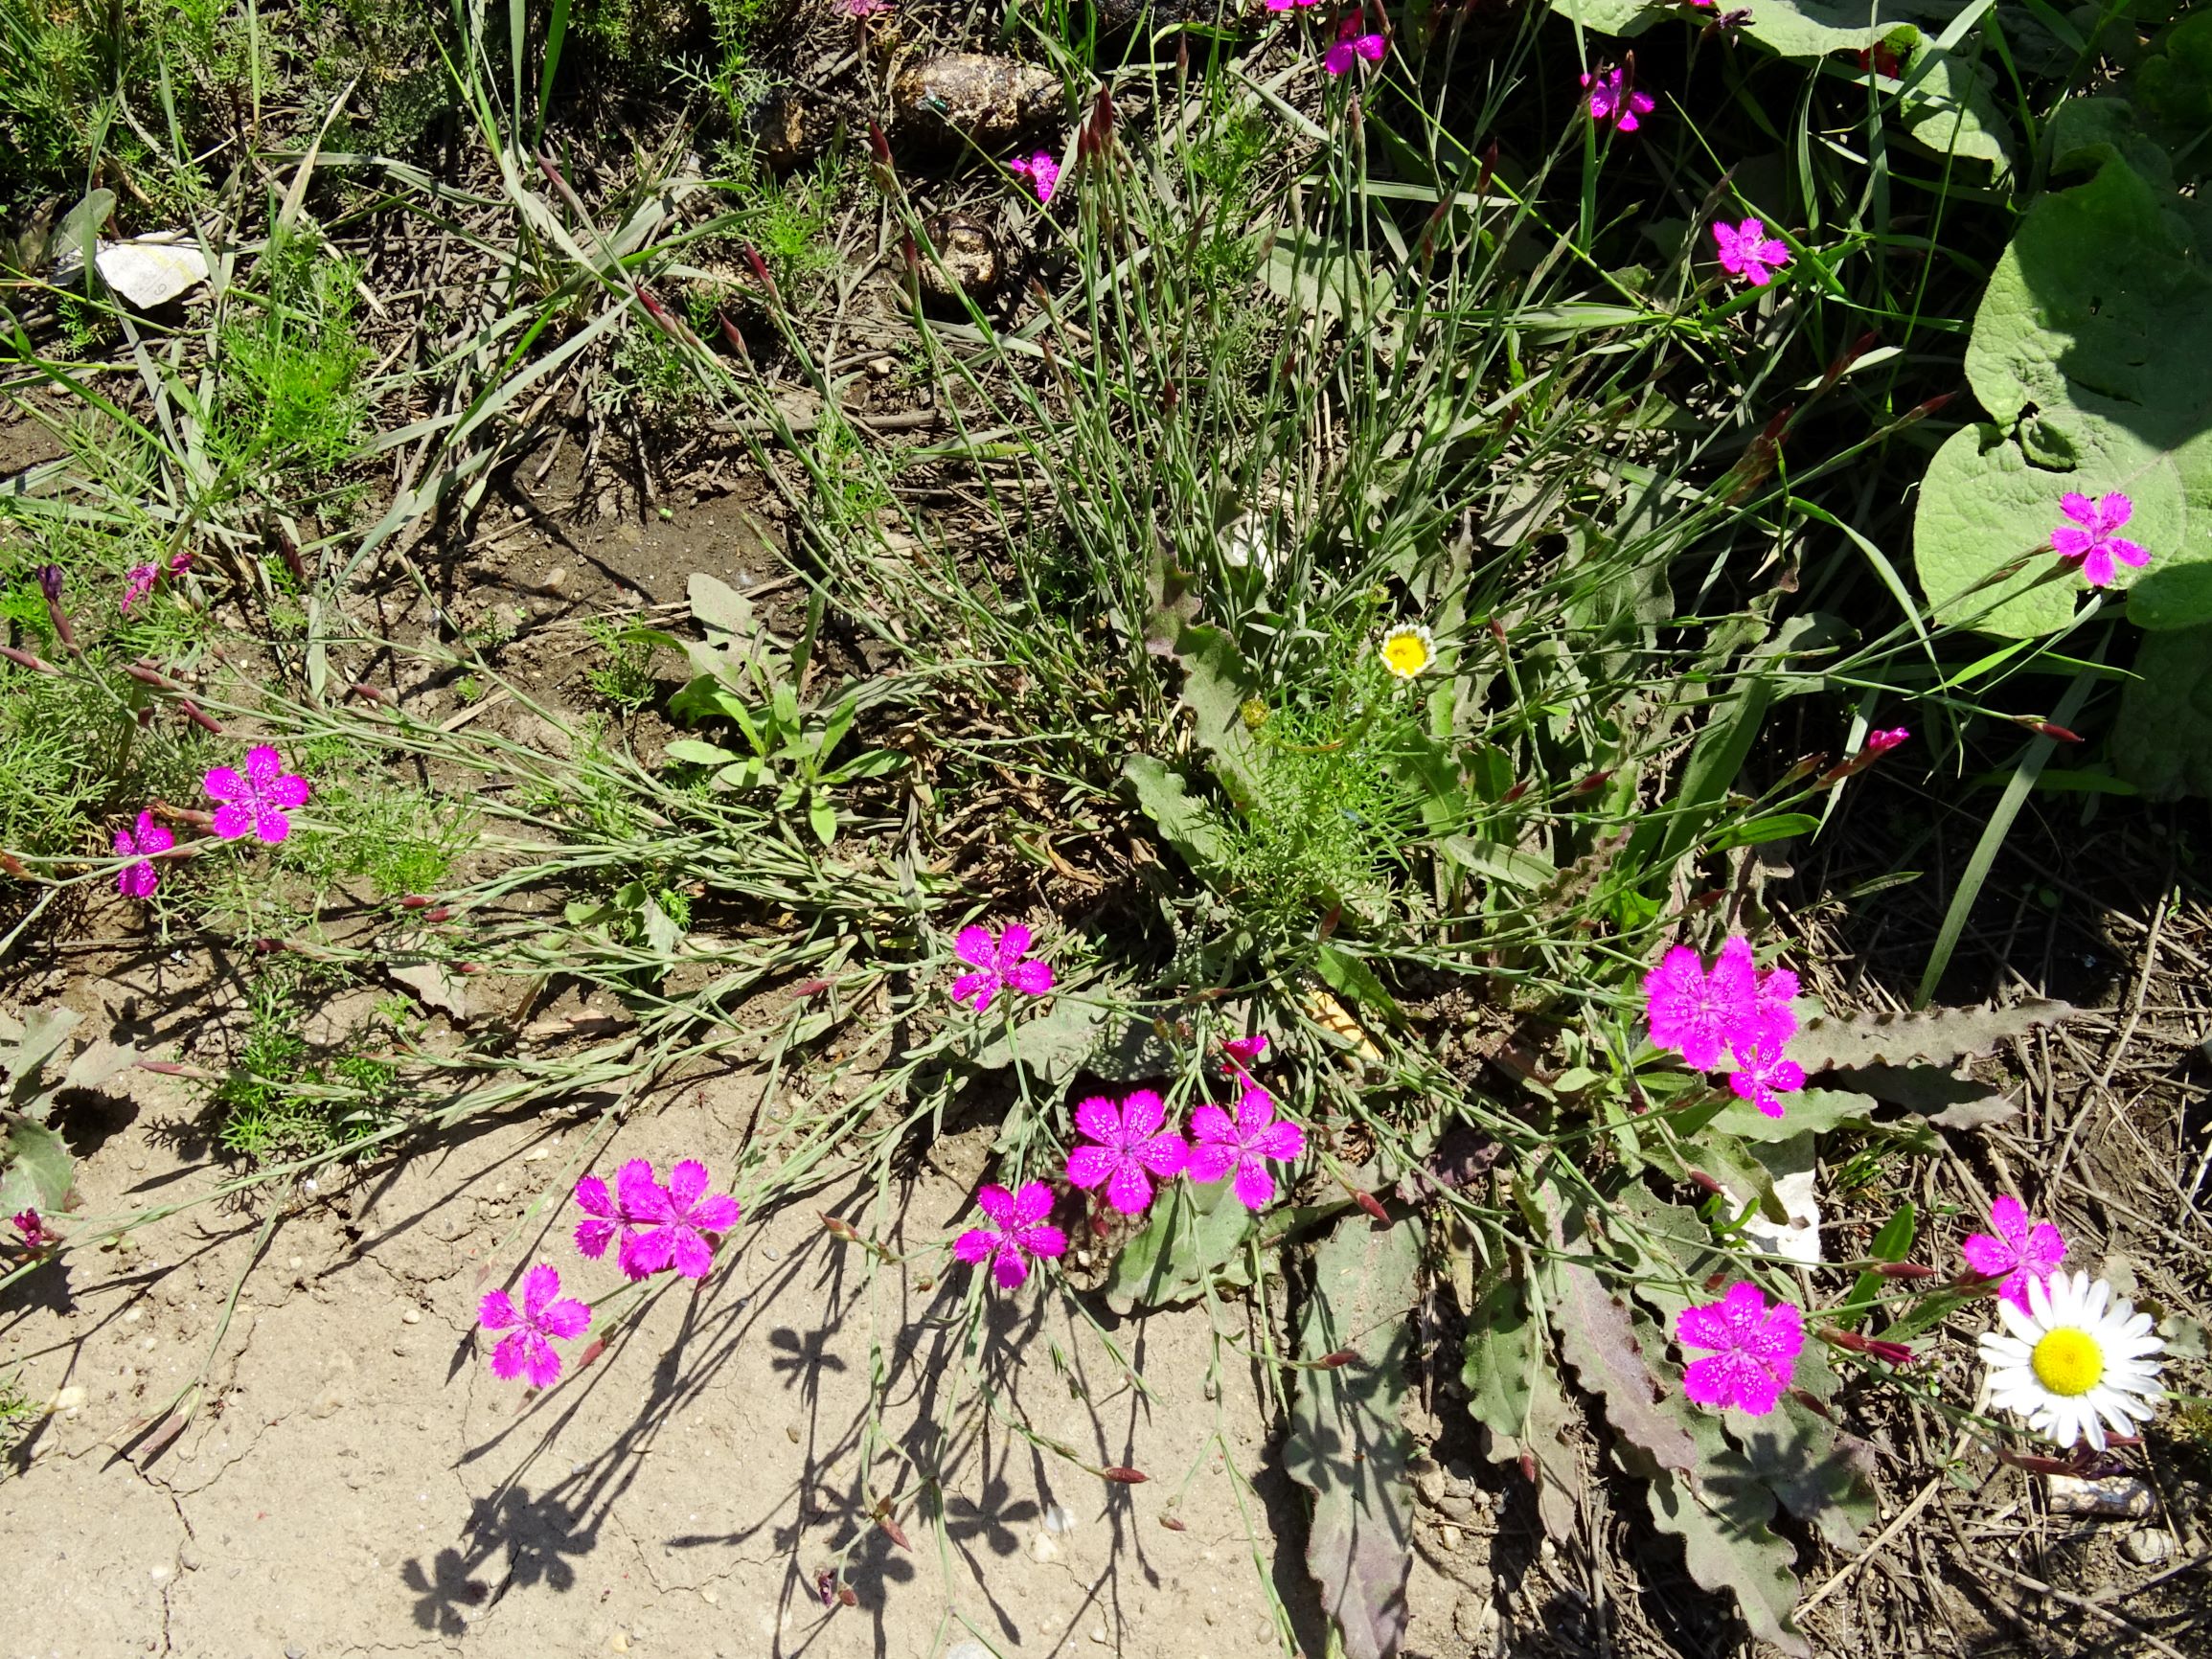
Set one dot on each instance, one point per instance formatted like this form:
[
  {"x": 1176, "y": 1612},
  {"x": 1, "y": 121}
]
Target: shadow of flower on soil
[{"x": 536, "y": 1536}]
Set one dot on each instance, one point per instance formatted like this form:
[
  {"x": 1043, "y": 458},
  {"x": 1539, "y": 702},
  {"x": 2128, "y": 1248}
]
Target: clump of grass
[
  {"x": 623, "y": 676},
  {"x": 276, "y": 1102},
  {"x": 290, "y": 397}
]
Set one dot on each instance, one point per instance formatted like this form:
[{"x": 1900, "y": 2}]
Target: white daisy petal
[{"x": 2100, "y": 1371}]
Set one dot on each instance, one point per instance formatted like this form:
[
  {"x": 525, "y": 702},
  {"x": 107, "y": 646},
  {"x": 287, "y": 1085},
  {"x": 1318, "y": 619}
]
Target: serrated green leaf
[
  {"x": 1821, "y": 1474},
  {"x": 36, "y": 1169},
  {"x": 1943, "y": 1036},
  {"x": 1503, "y": 1355},
  {"x": 43, "y": 1031},
  {"x": 1190, "y": 826},
  {"x": 1722, "y": 1510},
  {"x": 1346, "y": 1443},
  {"x": 1598, "y": 1338}
]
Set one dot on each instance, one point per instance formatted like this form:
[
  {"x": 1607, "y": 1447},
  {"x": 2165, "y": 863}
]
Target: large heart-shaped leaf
[{"x": 2087, "y": 351}]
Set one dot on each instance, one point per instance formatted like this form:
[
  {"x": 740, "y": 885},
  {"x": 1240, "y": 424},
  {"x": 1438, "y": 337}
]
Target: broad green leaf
[
  {"x": 44, "y": 1033},
  {"x": 1217, "y": 682},
  {"x": 1816, "y": 28},
  {"x": 2087, "y": 351},
  {"x": 2174, "y": 86},
  {"x": 1349, "y": 976},
  {"x": 822, "y": 818},
  {"x": 1821, "y": 1474},
  {"x": 1191, "y": 828},
  {"x": 1621, "y": 17},
  {"x": 2162, "y": 740},
  {"x": 1986, "y": 506},
  {"x": 1496, "y": 860},
  {"x": 1819, "y": 1110},
  {"x": 1949, "y": 106},
  {"x": 1193, "y": 1234},
  {"x": 36, "y": 1171},
  {"x": 2088, "y": 132},
  {"x": 693, "y": 753},
  {"x": 1504, "y": 1352},
  {"x": 1721, "y": 1511},
  {"x": 1346, "y": 1443}
]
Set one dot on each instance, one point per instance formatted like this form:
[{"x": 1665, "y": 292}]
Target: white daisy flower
[
  {"x": 1407, "y": 649},
  {"x": 2076, "y": 1356}
]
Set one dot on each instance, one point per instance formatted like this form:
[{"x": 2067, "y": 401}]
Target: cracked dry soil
[{"x": 354, "y": 1482}]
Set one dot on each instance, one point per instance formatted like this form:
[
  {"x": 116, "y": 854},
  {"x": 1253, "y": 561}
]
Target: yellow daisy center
[
  {"x": 1407, "y": 653},
  {"x": 2069, "y": 1362}
]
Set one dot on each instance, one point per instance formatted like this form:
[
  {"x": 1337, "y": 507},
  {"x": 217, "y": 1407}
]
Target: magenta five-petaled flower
[
  {"x": 672, "y": 1221},
  {"x": 1733, "y": 1012},
  {"x": 1754, "y": 1346},
  {"x": 1244, "y": 1054},
  {"x": 137, "y": 582},
  {"x": 138, "y": 881},
  {"x": 1748, "y": 253},
  {"x": 863, "y": 8},
  {"x": 1017, "y": 1232},
  {"x": 1041, "y": 171},
  {"x": 1285, "y": 4},
  {"x": 1000, "y": 965},
  {"x": 258, "y": 801},
  {"x": 37, "y": 1235},
  {"x": 1611, "y": 97},
  {"x": 2021, "y": 1252},
  {"x": 1761, "y": 1073},
  {"x": 2089, "y": 537},
  {"x": 1881, "y": 742},
  {"x": 608, "y": 1218},
  {"x": 1132, "y": 1146},
  {"x": 1244, "y": 1145},
  {"x": 1351, "y": 45},
  {"x": 527, "y": 1350}
]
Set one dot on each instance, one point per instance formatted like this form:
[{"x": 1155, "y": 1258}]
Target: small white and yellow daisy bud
[
  {"x": 1409, "y": 649},
  {"x": 2074, "y": 1362}
]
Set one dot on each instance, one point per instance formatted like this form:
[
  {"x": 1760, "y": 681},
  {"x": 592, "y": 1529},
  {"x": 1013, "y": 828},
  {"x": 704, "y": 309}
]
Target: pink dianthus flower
[
  {"x": 1612, "y": 99},
  {"x": 1019, "y": 1232},
  {"x": 2089, "y": 537},
  {"x": 1041, "y": 171},
  {"x": 1352, "y": 46},
  {"x": 140, "y": 879},
  {"x": 1755, "y": 1349},
  {"x": 258, "y": 801},
  {"x": 1133, "y": 1146},
  {"x": 2021, "y": 1252},
  {"x": 673, "y": 1220},
  {"x": 527, "y": 1348},
  {"x": 1244, "y": 1145},
  {"x": 1747, "y": 252},
  {"x": 999, "y": 964}
]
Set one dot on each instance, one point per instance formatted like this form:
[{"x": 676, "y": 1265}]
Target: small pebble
[
  {"x": 297, "y": 1263},
  {"x": 1097, "y": 1634},
  {"x": 711, "y": 1597},
  {"x": 132, "y": 1316},
  {"x": 293, "y": 1650},
  {"x": 1448, "y": 1538},
  {"x": 1042, "y": 1548},
  {"x": 2147, "y": 1547},
  {"x": 413, "y": 1316},
  {"x": 619, "y": 1641}
]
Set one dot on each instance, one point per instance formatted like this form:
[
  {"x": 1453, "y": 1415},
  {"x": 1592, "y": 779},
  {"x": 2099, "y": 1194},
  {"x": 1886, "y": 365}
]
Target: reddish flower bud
[
  {"x": 1904, "y": 1270},
  {"x": 13, "y": 866},
  {"x": 1923, "y": 410},
  {"x": 366, "y": 693},
  {"x": 25, "y": 659},
  {"x": 1514, "y": 794},
  {"x": 1336, "y": 1361},
  {"x": 1124, "y": 1476},
  {"x": 840, "y": 1227},
  {"x": 1373, "y": 1205},
  {"x": 192, "y": 712},
  {"x": 151, "y": 676},
  {"x": 1483, "y": 179},
  {"x": 1594, "y": 781},
  {"x": 1704, "y": 1184},
  {"x": 1172, "y": 1525},
  {"x": 893, "y": 1531}
]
